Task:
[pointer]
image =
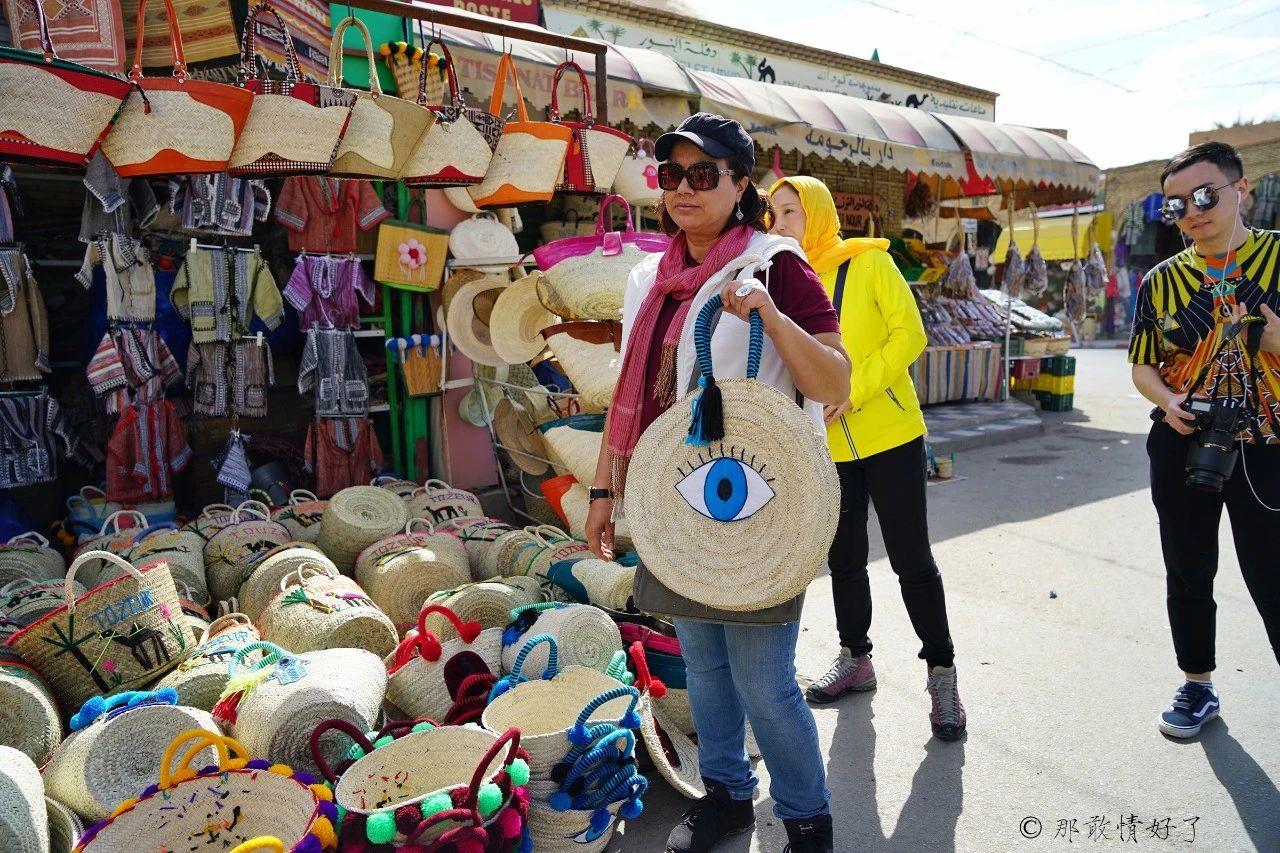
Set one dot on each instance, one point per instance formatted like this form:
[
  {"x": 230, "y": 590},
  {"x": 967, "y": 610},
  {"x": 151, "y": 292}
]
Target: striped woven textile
[
  {"x": 90, "y": 32},
  {"x": 208, "y": 31},
  {"x": 308, "y": 24}
]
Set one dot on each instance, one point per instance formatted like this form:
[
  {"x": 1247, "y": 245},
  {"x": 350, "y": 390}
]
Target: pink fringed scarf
[{"x": 681, "y": 282}]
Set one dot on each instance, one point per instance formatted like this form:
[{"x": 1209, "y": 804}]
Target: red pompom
[
  {"x": 468, "y": 631},
  {"x": 407, "y": 818}
]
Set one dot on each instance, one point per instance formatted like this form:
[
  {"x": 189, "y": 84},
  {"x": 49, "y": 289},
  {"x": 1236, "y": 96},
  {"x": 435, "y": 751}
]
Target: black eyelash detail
[{"x": 711, "y": 453}]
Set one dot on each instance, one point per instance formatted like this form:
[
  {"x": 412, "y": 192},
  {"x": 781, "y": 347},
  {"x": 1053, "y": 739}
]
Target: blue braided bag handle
[{"x": 702, "y": 339}]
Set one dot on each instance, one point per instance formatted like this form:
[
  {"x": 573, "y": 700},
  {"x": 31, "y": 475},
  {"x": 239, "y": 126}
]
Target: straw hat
[
  {"x": 522, "y": 438},
  {"x": 467, "y": 318},
  {"x": 454, "y": 283},
  {"x": 518, "y": 320},
  {"x": 24, "y": 821}
]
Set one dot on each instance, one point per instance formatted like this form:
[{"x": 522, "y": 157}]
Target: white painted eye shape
[
  {"x": 588, "y": 835},
  {"x": 725, "y": 489}
]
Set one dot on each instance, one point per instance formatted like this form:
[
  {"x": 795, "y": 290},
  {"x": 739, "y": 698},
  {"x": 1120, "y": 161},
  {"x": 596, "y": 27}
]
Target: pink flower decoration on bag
[{"x": 412, "y": 254}]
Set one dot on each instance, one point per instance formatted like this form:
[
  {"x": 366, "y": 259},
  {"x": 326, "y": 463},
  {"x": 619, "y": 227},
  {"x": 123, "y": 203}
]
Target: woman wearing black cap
[{"x": 741, "y": 666}]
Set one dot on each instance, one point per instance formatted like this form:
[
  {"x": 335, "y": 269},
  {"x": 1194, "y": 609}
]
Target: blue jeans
[{"x": 739, "y": 672}]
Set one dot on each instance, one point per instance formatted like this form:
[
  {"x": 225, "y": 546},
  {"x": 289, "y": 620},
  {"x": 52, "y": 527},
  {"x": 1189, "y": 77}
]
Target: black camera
[{"x": 1213, "y": 453}]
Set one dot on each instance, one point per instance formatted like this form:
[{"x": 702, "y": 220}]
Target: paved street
[{"x": 1062, "y": 693}]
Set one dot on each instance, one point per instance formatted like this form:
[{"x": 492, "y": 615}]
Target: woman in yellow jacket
[{"x": 876, "y": 438}]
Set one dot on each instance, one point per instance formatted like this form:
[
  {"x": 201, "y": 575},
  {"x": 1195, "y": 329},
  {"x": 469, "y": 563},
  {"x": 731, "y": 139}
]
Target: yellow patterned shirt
[{"x": 1184, "y": 307}]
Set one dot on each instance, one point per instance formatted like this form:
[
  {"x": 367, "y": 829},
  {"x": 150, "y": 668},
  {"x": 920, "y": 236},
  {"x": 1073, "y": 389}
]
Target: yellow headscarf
[{"x": 822, "y": 243}]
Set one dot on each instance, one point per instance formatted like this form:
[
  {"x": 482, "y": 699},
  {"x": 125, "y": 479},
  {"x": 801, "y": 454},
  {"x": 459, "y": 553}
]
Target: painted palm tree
[
  {"x": 616, "y": 32},
  {"x": 69, "y": 643},
  {"x": 596, "y": 27}
]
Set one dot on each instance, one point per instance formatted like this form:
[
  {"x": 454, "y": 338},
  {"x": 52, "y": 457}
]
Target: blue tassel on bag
[{"x": 706, "y": 423}]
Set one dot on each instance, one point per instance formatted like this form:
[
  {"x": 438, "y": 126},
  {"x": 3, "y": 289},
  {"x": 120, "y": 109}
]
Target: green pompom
[
  {"x": 423, "y": 727},
  {"x": 342, "y": 814},
  {"x": 435, "y": 804},
  {"x": 519, "y": 772},
  {"x": 383, "y": 741},
  {"x": 490, "y": 799},
  {"x": 355, "y": 753},
  {"x": 381, "y": 827}
]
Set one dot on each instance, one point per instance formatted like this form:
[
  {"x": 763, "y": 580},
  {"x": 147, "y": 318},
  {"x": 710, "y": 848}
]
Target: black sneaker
[
  {"x": 714, "y": 818},
  {"x": 810, "y": 835}
]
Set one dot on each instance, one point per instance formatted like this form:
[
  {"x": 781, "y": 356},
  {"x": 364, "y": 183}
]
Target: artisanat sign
[{"x": 521, "y": 11}]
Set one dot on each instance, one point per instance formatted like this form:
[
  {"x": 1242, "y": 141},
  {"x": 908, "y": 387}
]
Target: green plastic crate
[
  {"x": 1057, "y": 402},
  {"x": 1058, "y": 365}
]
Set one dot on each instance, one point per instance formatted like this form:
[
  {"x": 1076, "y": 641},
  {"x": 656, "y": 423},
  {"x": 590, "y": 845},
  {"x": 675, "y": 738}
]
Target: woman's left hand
[{"x": 741, "y": 298}]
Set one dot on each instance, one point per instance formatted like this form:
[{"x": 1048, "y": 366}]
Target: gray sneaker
[
  {"x": 846, "y": 675},
  {"x": 947, "y": 715}
]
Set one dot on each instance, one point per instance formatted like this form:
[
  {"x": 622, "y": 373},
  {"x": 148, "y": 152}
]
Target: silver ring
[{"x": 745, "y": 289}]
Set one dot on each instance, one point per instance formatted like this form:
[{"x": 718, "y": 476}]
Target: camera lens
[{"x": 1208, "y": 465}]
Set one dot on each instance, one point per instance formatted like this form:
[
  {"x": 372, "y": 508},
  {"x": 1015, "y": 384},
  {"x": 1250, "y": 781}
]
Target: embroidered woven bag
[{"x": 596, "y": 151}]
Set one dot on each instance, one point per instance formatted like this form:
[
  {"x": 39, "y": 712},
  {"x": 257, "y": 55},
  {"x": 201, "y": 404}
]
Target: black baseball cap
[{"x": 716, "y": 135}]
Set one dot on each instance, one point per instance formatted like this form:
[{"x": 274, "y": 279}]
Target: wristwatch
[{"x": 596, "y": 494}]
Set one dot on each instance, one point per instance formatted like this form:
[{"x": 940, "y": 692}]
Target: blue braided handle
[
  {"x": 702, "y": 338},
  {"x": 553, "y": 658},
  {"x": 604, "y": 699},
  {"x": 603, "y": 752}
]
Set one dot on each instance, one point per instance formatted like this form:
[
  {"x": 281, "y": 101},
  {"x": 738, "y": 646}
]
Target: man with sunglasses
[{"x": 1180, "y": 343}]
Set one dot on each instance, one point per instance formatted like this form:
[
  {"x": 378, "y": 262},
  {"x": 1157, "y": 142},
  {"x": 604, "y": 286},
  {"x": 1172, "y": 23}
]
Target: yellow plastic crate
[{"x": 1057, "y": 385}]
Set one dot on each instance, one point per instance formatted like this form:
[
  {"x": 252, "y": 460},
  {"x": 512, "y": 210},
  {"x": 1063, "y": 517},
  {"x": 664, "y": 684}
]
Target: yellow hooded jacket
[{"x": 879, "y": 322}]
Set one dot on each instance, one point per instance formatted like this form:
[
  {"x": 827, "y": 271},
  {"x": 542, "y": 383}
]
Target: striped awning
[{"x": 1022, "y": 157}]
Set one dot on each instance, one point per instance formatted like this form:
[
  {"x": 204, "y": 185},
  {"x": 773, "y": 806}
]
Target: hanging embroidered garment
[
  {"x": 342, "y": 453},
  {"x": 322, "y": 214},
  {"x": 332, "y": 367},
  {"x": 33, "y": 434},
  {"x": 219, "y": 204},
  {"x": 112, "y": 203},
  {"x": 233, "y": 464},
  {"x": 131, "y": 366},
  {"x": 10, "y": 203},
  {"x": 131, "y": 280},
  {"x": 230, "y": 379},
  {"x": 147, "y": 447},
  {"x": 220, "y": 291},
  {"x": 323, "y": 289},
  {"x": 24, "y": 324}
]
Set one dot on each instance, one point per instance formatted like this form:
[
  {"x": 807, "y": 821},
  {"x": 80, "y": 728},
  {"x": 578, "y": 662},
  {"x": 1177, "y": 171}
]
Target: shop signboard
[{"x": 520, "y": 11}]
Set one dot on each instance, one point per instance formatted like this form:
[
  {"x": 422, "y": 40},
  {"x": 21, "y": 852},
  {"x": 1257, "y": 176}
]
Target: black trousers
[
  {"x": 895, "y": 480},
  {"x": 1189, "y": 521}
]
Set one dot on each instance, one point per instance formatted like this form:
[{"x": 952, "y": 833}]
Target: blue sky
[{"x": 1128, "y": 80}]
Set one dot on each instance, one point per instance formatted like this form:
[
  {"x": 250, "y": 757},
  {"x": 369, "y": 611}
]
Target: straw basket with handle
[
  {"x": 24, "y": 821},
  {"x": 585, "y": 277},
  {"x": 29, "y": 717},
  {"x": 114, "y": 536},
  {"x": 551, "y": 545},
  {"x": 114, "y": 747},
  {"x": 416, "y": 670},
  {"x": 24, "y": 602},
  {"x": 411, "y": 771},
  {"x": 401, "y": 571},
  {"x": 211, "y": 519},
  {"x": 265, "y": 572},
  {"x": 273, "y": 703},
  {"x": 596, "y": 151},
  {"x": 29, "y": 557},
  {"x": 175, "y": 125},
  {"x": 671, "y": 752},
  {"x": 295, "y": 126},
  {"x": 384, "y": 129},
  {"x": 500, "y": 559},
  {"x": 318, "y": 608},
  {"x": 584, "y": 635},
  {"x": 406, "y": 63},
  {"x": 233, "y": 801},
  {"x": 116, "y": 636},
  {"x": 229, "y": 552},
  {"x": 478, "y": 535},
  {"x": 530, "y": 155},
  {"x": 181, "y": 549},
  {"x": 637, "y": 179},
  {"x": 489, "y": 603},
  {"x": 202, "y": 676},
  {"x": 355, "y": 518},
  {"x": 301, "y": 516},
  {"x": 403, "y": 489},
  {"x": 439, "y": 501},
  {"x": 748, "y": 465},
  {"x": 458, "y": 150},
  {"x": 590, "y": 355},
  {"x": 55, "y": 112}
]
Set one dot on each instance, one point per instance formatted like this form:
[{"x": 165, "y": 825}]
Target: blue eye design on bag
[
  {"x": 589, "y": 834},
  {"x": 726, "y": 486}
]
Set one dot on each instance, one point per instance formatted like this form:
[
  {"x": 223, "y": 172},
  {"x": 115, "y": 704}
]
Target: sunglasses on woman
[
  {"x": 1204, "y": 198},
  {"x": 702, "y": 176}
]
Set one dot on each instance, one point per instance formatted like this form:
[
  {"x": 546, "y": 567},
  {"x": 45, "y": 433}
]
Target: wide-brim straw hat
[
  {"x": 517, "y": 321},
  {"x": 65, "y": 826},
  {"x": 115, "y": 757},
  {"x": 467, "y": 318},
  {"x": 202, "y": 676},
  {"x": 355, "y": 518},
  {"x": 24, "y": 820},
  {"x": 520, "y": 436},
  {"x": 773, "y": 462},
  {"x": 29, "y": 715},
  {"x": 456, "y": 282},
  {"x": 263, "y": 582}
]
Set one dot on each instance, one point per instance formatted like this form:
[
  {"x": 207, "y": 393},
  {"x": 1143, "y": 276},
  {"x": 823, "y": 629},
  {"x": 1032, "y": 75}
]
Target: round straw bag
[
  {"x": 594, "y": 581},
  {"x": 576, "y": 503},
  {"x": 115, "y": 748},
  {"x": 23, "y": 602},
  {"x": 411, "y": 771},
  {"x": 552, "y": 545},
  {"x": 24, "y": 820},
  {"x": 355, "y": 518},
  {"x": 29, "y": 557},
  {"x": 415, "y": 671},
  {"x": 301, "y": 516},
  {"x": 478, "y": 536},
  {"x": 557, "y": 708},
  {"x": 267, "y": 570},
  {"x": 585, "y": 635},
  {"x": 404, "y": 489},
  {"x": 320, "y": 609},
  {"x": 489, "y": 603},
  {"x": 229, "y": 802},
  {"x": 116, "y": 636},
  {"x": 181, "y": 549},
  {"x": 588, "y": 353},
  {"x": 212, "y": 518},
  {"x": 202, "y": 676},
  {"x": 438, "y": 501},
  {"x": 728, "y": 539},
  {"x": 669, "y": 749},
  {"x": 274, "y": 703},
  {"x": 29, "y": 717},
  {"x": 384, "y": 130},
  {"x": 65, "y": 827},
  {"x": 401, "y": 571},
  {"x": 113, "y": 537},
  {"x": 229, "y": 552}
]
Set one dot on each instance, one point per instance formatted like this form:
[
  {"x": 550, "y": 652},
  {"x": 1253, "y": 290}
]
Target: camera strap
[{"x": 1254, "y": 377}]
